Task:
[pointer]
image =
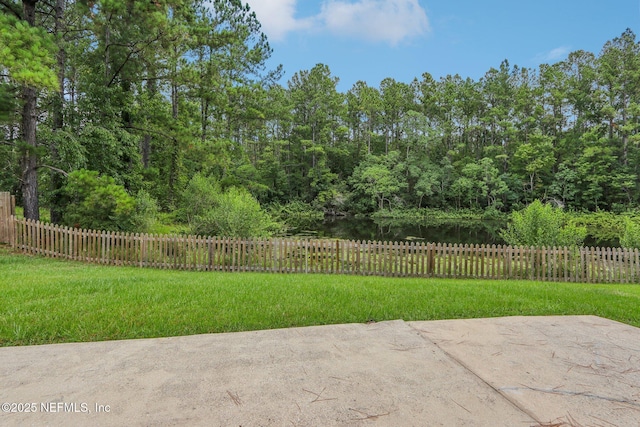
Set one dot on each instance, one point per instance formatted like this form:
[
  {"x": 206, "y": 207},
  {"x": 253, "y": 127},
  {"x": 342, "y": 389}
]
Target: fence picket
[
  {"x": 607, "y": 268},
  {"x": 599, "y": 265},
  {"x": 636, "y": 275}
]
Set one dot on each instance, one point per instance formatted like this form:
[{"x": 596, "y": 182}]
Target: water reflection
[
  {"x": 458, "y": 231},
  {"x": 439, "y": 231}
]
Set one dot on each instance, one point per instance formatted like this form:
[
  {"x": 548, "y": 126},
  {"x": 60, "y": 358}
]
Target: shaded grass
[{"x": 52, "y": 301}]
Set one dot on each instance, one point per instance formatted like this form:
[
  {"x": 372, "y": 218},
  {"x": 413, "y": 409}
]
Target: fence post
[{"x": 7, "y": 209}]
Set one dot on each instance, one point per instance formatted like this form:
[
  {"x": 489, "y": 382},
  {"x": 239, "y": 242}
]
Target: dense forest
[{"x": 158, "y": 99}]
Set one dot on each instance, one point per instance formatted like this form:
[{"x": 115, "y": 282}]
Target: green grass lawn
[{"x": 51, "y": 301}]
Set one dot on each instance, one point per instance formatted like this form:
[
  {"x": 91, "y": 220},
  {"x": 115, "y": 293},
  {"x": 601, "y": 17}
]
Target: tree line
[{"x": 155, "y": 96}]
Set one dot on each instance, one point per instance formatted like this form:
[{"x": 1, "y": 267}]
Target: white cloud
[
  {"x": 389, "y": 21},
  {"x": 278, "y": 17},
  {"x": 554, "y": 54}
]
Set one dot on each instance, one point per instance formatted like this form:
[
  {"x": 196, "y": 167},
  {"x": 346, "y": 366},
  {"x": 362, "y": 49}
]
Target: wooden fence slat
[
  {"x": 565, "y": 263},
  {"x": 636, "y": 276},
  {"x": 376, "y": 259},
  {"x": 605, "y": 266},
  {"x": 420, "y": 260},
  {"x": 380, "y": 251},
  {"x": 402, "y": 259},
  {"x": 413, "y": 250},
  {"x": 384, "y": 252},
  {"x": 615, "y": 266}
]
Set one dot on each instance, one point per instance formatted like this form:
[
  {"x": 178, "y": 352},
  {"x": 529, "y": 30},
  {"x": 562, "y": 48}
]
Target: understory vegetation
[
  {"x": 543, "y": 225},
  {"x": 51, "y": 301}
]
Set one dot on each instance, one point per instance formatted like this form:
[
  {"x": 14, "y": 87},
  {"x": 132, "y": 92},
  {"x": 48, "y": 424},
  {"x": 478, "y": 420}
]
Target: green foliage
[
  {"x": 27, "y": 53},
  {"x": 630, "y": 238},
  {"x": 428, "y": 180},
  {"x": 71, "y": 151},
  {"x": 232, "y": 213},
  {"x": 542, "y": 225},
  {"x": 535, "y": 157},
  {"x": 375, "y": 177},
  {"x": 44, "y": 214},
  {"x": 197, "y": 198},
  {"x": 480, "y": 185},
  {"x": 601, "y": 225},
  {"x": 113, "y": 152},
  {"x": 331, "y": 201},
  {"x": 564, "y": 186},
  {"x": 97, "y": 202},
  {"x": 428, "y": 214},
  {"x": 8, "y": 102},
  {"x": 237, "y": 214},
  {"x": 296, "y": 213},
  {"x": 145, "y": 215}
]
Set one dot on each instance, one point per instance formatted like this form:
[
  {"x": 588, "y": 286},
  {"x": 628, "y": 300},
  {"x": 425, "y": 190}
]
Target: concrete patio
[{"x": 517, "y": 371}]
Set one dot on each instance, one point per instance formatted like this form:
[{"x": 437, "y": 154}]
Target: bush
[
  {"x": 97, "y": 202},
  {"x": 296, "y": 214},
  {"x": 601, "y": 225},
  {"x": 631, "y": 236},
  {"x": 236, "y": 214},
  {"x": 145, "y": 214},
  {"x": 542, "y": 225},
  {"x": 233, "y": 213},
  {"x": 199, "y": 196}
]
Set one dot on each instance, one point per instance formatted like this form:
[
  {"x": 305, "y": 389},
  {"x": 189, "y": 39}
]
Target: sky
[{"x": 371, "y": 40}]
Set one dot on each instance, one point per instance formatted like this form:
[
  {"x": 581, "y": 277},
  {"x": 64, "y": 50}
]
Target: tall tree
[
  {"x": 397, "y": 100},
  {"x": 364, "y": 106},
  {"x": 29, "y": 61},
  {"x": 317, "y": 107}
]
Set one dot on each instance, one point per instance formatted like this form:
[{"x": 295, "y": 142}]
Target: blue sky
[{"x": 370, "y": 40}]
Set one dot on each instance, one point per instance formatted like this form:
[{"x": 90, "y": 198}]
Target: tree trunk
[
  {"x": 205, "y": 119},
  {"x": 107, "y": 59},
  {"x": 145, "y": 150},
  {"x": 175, "y": 149},
  {"x": 29, "y": 159},
  {"x": 625, "y": 138},
  {"x": 58, "y": 117},
  {"x": 145, "y": 142}
]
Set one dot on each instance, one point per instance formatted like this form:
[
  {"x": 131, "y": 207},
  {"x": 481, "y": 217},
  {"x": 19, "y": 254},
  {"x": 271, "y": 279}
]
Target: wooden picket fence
[{"x": 288, "y": 255}]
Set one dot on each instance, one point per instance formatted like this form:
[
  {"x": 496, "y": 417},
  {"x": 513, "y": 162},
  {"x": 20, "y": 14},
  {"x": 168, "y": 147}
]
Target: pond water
[
  {"x": 349, "y": 228},
  {"x": 450, "y": 231}
]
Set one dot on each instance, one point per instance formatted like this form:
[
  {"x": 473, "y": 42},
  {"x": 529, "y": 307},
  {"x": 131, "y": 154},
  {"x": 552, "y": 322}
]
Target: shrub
[
  {"x": 199, "y": 196},
  {"x": 236, "y": 214},
  {"x": 542, "y": 225},
  {"x": 601, "y": 225},
  {"x": 145, "y": 215},
  {"x": 97, "y": 202},
  {"x": 631, "y": 236},
  {"x": 296, "y": 214},
  {"x": 233, "y": 213}
]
